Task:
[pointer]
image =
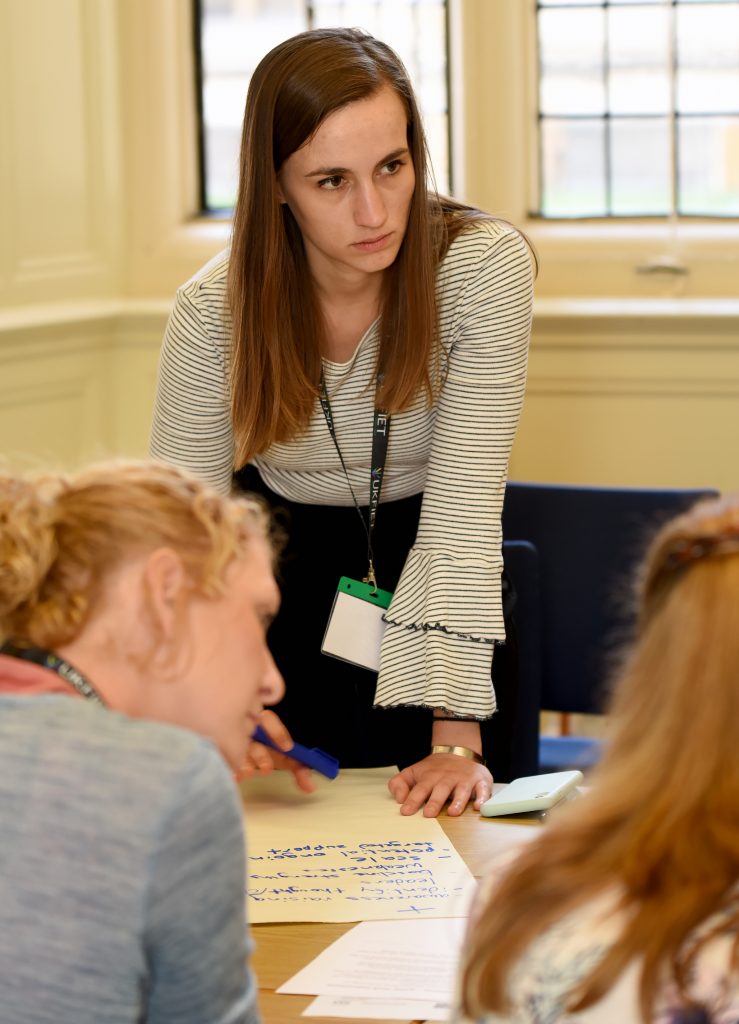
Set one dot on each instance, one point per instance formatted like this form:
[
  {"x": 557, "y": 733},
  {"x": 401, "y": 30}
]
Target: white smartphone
[{"x": 531, "y": 793}]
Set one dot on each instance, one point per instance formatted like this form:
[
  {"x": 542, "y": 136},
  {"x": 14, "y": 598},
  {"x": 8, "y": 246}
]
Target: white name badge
[{"x": 355, "y": 627}]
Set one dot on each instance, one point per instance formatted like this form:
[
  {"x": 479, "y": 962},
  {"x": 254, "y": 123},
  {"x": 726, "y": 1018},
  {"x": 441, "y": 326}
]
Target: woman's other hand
[
  {"x": 440, "y": 777},
  {"x": 262, "y": 760}
]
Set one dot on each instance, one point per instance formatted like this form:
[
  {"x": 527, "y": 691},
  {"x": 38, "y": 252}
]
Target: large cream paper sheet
[{"x": 345, "y": 853}]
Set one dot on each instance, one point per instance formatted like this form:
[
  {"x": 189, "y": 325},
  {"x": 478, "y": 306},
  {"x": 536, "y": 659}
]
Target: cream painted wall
[
  {"x": 78, "y": 350},
  {"x": 634, "y": 379},
  {"x": 77, "y": 380},
  {"x": 52, "y": 387},
  {"x": 60, "y": 161},
  {"x": 616, "y": 397}
]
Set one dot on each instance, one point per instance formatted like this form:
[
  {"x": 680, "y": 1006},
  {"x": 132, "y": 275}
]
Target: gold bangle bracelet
[{"x": 471, "y": 755}]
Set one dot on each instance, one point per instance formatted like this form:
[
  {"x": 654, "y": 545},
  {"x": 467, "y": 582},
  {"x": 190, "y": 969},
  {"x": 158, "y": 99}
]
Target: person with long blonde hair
[
  {"x": 358, "y": 356},
  {"x": 626, "y": 908},
  {"x": 134, "y": 604}
]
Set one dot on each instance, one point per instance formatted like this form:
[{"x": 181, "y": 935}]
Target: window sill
[
  {"x": 20, "y": 319},
  {"x": 632, "y": 230},
  {"x": 659, "y": 323},
  {"x": 667, "y": 309}
]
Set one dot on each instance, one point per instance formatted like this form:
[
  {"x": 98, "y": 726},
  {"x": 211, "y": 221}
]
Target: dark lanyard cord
[
  {"x": 380, "y": 434},
  {"x": 47, "y": 659}
]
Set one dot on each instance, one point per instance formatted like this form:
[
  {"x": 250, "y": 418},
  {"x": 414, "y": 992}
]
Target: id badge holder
[{"x": 355, "y": 627}]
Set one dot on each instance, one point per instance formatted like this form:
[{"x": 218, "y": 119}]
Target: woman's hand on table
[
  {"x": 440, "y": 777},
  {"x": 262, "y": 760}
]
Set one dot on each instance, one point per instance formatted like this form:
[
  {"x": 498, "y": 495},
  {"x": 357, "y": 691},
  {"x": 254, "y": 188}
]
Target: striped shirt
[{"x": 446, "y": 614}]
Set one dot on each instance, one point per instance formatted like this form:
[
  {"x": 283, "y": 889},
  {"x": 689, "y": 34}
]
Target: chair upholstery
[
  {"x": 589, "y": 541},
  {"x": 522, "y": 565}
]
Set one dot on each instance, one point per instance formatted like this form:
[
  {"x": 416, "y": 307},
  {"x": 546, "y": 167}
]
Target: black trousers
[{"x": 328, "y": 703}]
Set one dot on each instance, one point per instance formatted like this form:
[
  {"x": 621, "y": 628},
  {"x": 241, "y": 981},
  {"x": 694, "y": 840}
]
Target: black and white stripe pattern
[{"x": 446, "y": 614}]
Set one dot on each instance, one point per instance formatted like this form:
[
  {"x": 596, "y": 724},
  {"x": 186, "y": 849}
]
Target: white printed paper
[
  {"x": 408, "y": 960},
  {"x": 350, "y": 1008}
]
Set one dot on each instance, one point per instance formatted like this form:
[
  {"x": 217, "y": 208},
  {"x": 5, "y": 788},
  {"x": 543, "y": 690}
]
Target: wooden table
[{"x": 283, "y": 949}]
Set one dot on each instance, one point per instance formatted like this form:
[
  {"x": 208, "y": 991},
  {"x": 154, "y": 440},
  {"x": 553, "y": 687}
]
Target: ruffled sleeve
[{"x": 446, "y": 615}]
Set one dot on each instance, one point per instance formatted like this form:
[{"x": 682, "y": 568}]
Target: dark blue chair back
[
  {"x": 522, "y": 565},
  {"x": 589, "y": 541}
]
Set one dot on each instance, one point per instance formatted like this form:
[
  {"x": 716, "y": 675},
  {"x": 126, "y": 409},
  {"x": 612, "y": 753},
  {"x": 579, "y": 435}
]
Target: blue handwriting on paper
[{"x": 390, "y": 871}]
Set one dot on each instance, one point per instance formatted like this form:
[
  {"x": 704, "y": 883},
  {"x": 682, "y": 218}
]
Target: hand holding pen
[
  {"x": 273, "y": 747},
  {"x": 263, "y": 760}
]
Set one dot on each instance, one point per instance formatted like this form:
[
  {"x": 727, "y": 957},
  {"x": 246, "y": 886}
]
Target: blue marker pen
[{"x": 311, "y": 757}]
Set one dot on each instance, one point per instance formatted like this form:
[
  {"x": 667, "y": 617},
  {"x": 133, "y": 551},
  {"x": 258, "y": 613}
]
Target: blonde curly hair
[{"x": 62, "y": 535}]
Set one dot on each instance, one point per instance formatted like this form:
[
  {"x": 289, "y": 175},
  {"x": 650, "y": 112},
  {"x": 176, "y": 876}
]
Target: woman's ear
[
  {"x": 280, "y": 193},
  {"x": 165, "y": 580}
]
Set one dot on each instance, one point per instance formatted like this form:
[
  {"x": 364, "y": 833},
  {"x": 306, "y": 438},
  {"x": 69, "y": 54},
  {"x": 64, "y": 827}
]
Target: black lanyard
[
  {"x": 380, "y": 434},
  {"x": 47, "y": 659}
]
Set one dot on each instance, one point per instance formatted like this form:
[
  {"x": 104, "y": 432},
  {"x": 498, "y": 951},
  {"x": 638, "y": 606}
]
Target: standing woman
[{"x": 355, "y": 306}]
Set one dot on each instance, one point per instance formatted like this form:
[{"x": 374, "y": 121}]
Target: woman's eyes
[
  {"x": 332, "y": 183},
  {"x": 335, "y": 181}
]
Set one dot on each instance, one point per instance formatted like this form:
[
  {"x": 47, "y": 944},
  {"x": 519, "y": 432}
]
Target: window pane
[
  {"x": 235, "y": 35},
  {"x": 644, "y": 86},
  {"x": 573, "y": 168},
  {"x": 566, "y": 3},
  {"x": 416, "y": 30},
  {"x": 640, "y": 163},
  {"x": 639, "y": 60},
  {"x": 601, "y": 3},
  {"x": 571, "y": 54},
  {"x": 708, "y": 155},
  {"x": 708, "y": 58}
]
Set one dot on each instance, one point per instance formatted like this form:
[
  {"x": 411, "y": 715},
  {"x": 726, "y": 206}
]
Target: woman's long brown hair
[
  {"x": 276, "y": 322},
  {"x": 661, "y": 823}
]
